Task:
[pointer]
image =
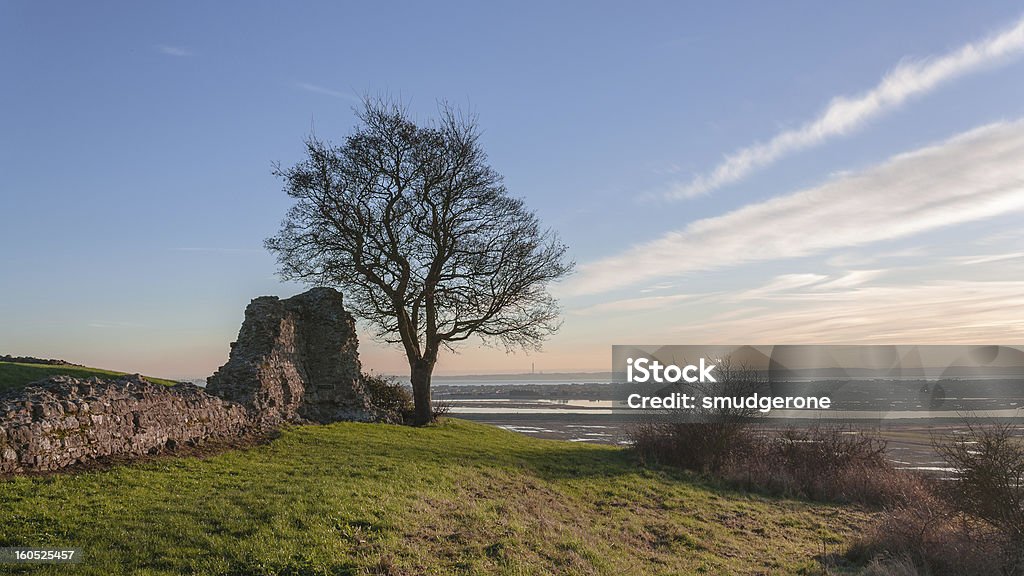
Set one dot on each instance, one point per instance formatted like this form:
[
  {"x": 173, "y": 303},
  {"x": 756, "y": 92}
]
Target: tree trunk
[{"x": 420, "y": 377}]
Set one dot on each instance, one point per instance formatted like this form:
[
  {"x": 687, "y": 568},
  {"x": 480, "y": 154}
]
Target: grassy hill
[
  {"x": 16, "y": 375},
  {"x": 454, "y": 498}
]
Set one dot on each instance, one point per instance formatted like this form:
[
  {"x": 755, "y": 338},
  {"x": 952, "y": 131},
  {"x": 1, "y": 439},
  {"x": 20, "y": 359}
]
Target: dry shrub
[
  {"x": 440, "y": 408},
  {"x": 820, "y": 462},
  {"x": 826, "y": 463},
  {"x": 965, "y": 526},
  {"x": 699, "y": 446},
  {"x": 989, "y": 464}
]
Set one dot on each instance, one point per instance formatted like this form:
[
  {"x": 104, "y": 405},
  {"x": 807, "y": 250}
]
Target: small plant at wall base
[
  {"x": 388, "y": 395},
  {"x": 420, "y": 234}
]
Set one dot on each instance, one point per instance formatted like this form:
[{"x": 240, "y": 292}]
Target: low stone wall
[{"x": 63, "y": 421}]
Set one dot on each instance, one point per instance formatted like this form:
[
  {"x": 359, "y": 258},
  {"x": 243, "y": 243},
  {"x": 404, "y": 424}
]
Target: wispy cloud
[
  {"x": 317, "y": 89},
  {"x": 845, "y": 114},
  {"x": 973, "y": 176},
  {"x": 851, "y": 279},
  {"x": 217, "y": 250},
  {"x": 787, "y": 282},
  {"x": 634, "y": 304},
  {"x": 846, "y": 259},
  {"x": 169, "y": 50},
  {"x": 789, "y": 287},
  {"x": 845, "y": 306},
  {"x": 987, "y": 258},
  {"x": 946, "y": 312}
]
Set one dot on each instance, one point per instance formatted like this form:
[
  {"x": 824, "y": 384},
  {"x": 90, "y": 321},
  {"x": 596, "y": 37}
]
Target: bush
[
  {"x": 390, "y": 398},
  {"x": 820, "y": 463},
  {"x": 989, "y": 464},
  {"x": 826, "y": 463},
  {"x": 967, "y": 526},
  {"x": 699, "y": 446}
]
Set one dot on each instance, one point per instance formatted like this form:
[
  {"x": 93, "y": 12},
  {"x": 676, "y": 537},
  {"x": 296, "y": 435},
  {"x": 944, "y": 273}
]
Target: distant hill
[
  {"x": 34, "y": 360},
  {"x": 18, "y": 374}
]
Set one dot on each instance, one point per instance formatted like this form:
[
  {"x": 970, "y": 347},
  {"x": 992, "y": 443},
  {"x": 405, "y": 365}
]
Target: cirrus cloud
[
  {"x": 845, "y": 114},
  {"x": 973, "y": 176}
]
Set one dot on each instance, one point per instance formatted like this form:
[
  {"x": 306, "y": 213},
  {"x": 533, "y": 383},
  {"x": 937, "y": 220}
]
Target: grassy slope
[
  {"x": 453, "y": 498},
  {"x": 14, "y": 375}
]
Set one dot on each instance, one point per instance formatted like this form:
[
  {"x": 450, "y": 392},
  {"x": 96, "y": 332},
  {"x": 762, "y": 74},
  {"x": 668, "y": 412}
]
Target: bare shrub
[
  {"x": 699, "y": 446},
  {"x": 966, "y": 526},
  {"x": 827, "y": 463},
  {"x": 829, "y": 448},
  {"x": 989, "y": 464},
  {"x": 440, "y": 409},
  {"x": 820, "y": 463}
]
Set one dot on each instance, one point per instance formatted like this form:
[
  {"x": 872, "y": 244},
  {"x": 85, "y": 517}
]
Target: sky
[{"x": 723, "y": 173}]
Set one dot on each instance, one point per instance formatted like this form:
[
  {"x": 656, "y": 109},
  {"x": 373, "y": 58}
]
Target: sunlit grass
[{"x": 457, "y": 498}]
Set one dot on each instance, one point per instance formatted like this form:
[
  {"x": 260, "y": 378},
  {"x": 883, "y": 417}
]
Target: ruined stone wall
[
  {"x": 63, "y": 421},
  {"x": 296, "y": 360}
]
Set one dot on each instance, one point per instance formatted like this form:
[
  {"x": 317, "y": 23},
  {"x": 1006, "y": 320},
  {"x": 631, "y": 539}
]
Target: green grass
[
  {"x": 16, "y": 375},
  {"x": 454, "y": 498}
]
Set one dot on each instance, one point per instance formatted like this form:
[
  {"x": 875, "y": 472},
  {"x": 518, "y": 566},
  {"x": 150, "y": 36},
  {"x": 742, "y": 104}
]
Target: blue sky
[{"x": 741, "y": 172}]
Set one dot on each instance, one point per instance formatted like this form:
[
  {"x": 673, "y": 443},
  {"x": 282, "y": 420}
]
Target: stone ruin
[{"x": 295, "y": 361}]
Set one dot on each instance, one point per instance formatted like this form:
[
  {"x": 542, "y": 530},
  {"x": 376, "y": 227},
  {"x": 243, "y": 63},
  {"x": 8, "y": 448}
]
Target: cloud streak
[
  {"x": 169, "y": 50},
  {"x": 973, "y": 176},
  {"x": 634, "y": 304},
  {"x": 845, "y": 114},
  {"x": 317, "y": 89},
  {"x": 216, "y": 250}
]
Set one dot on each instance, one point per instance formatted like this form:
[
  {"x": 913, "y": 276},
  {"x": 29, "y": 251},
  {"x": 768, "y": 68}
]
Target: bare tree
[{"x": 418, "y": 230}]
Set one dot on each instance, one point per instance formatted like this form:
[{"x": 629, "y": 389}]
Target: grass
[
  {"x": 453, "y": 498},
  {"x": 16, "y": 375}
]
